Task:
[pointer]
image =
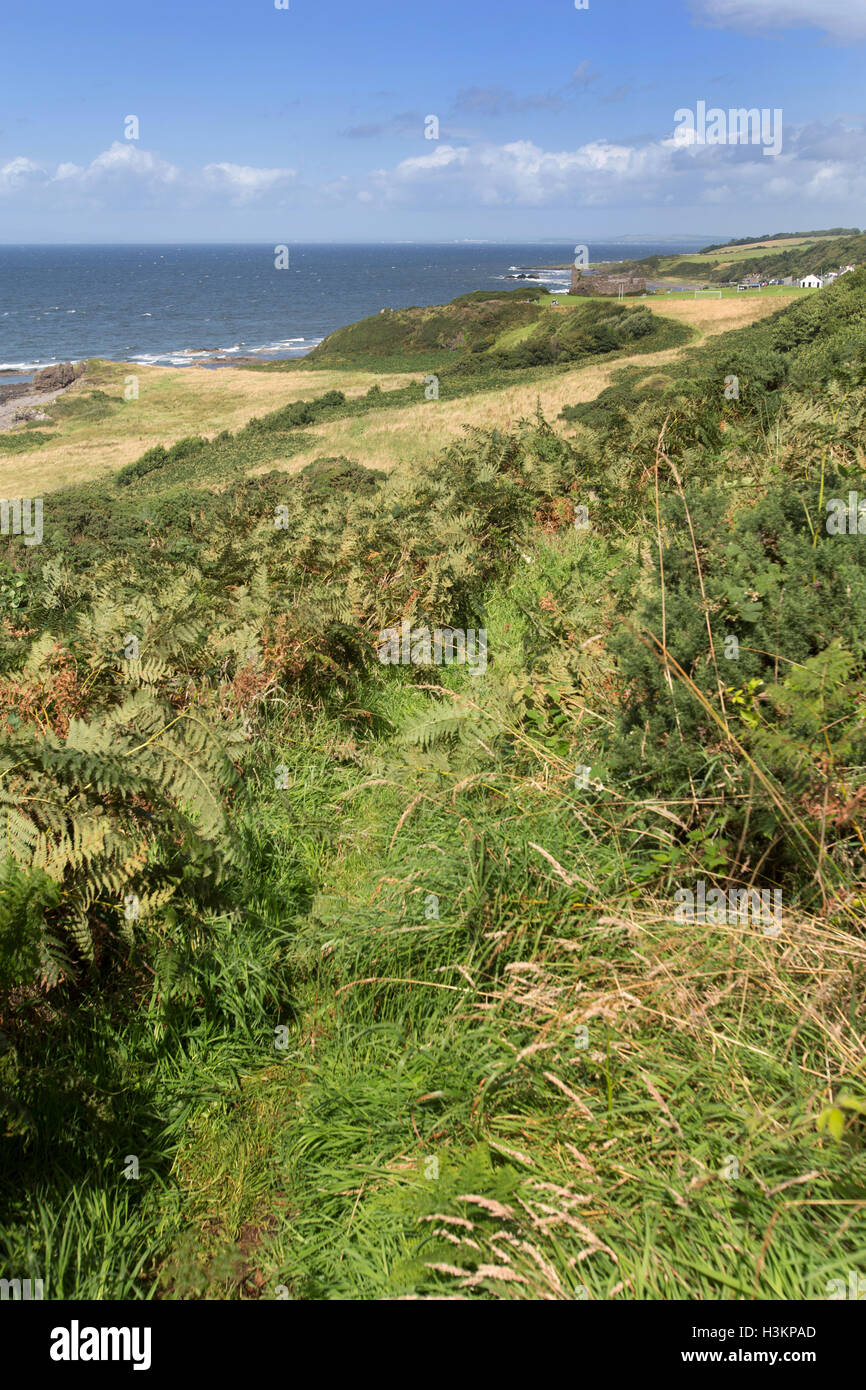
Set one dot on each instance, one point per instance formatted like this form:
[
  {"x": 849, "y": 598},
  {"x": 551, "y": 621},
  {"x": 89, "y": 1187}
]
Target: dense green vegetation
[
  {"x": 331, "y": 979},
  {"x": 781, "y": 236},
  {"x": 829, "y": 253},
  {"x": 448, "y": 328},
  {"x": 489, "y": 331},
  {"x": 21, "y": 442}
]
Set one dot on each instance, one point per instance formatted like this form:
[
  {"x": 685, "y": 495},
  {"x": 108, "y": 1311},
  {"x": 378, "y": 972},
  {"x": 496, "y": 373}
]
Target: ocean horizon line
[{"x": 622, "y": 239}]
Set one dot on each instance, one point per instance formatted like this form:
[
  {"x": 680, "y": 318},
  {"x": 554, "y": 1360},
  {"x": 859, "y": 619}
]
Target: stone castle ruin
[{"x": 606, "y": 284}]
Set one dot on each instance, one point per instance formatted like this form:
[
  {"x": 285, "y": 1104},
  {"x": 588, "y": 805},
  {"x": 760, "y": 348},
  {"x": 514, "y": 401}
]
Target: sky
[{"x": 435, "y": 120}]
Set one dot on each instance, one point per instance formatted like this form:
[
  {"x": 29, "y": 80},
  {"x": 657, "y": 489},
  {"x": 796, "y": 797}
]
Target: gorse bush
[
  {"x": 21, "y": 443},
  {"x": 744, "y": 605},
  {"x": 159, "y": 457},
  {"x": 337, "y": 476},
  {"x": 298, "y": 413}
]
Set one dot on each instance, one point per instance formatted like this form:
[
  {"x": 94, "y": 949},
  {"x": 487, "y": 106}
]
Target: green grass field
[{"x": 566, "y": 301}]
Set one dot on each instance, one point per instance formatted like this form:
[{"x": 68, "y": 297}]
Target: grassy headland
[{"x": 773, "y": 257}]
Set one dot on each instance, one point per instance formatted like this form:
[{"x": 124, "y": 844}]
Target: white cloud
[
  {"x": 823, "y": 164},
  {"x": 125, "y": 158},
  {"x": 243, "y": 182},
  {"x": 814, "y": 163},
  {"x": 842, "y": 19},
  {"x": 516, "y": 173},
  {"x": 124, "y": 170},
  {"x": 20, "y": 172}
]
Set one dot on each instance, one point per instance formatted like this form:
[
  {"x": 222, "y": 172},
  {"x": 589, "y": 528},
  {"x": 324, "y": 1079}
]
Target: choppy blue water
[{"x": 172, "y": 304}]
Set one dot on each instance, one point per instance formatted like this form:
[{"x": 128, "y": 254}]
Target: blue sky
[{"x": 274, "y": 125}]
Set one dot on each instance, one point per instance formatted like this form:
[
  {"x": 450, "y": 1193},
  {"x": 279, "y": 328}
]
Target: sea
[{"x": 175, "y": 305}]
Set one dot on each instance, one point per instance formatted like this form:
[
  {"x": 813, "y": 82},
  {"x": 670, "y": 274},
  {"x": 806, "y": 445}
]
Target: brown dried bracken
[{"x": 49, "y": 700}]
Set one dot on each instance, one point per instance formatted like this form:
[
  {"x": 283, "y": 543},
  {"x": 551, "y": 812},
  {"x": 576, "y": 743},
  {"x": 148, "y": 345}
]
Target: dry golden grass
[
  {"x": 178, "y": 401},
  {"x": 173, "y": 402},
  {"x": 388, "y": 439},
  {"x": 716, "y": 315}
]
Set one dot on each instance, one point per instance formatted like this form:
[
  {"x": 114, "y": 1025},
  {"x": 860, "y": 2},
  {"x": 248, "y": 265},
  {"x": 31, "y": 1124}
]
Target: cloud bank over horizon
[
  {"x": 124, "y": 170},
  {"x": 819, "y": 163}
]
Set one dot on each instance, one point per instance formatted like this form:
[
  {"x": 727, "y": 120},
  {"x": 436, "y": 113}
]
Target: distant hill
[
  {"x": 799, "y": 260},
  {"x": 781, "y": 236},
  {"x": 723, "y": 265}
]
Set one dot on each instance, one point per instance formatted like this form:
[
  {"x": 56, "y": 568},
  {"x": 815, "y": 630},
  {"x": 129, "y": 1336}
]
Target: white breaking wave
[
  {"x": 295, "y": 347},
  {"x": 27, "y": 366}
]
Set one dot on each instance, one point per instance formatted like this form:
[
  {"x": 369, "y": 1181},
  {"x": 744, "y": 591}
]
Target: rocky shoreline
[{"x": 23, "y": 401}]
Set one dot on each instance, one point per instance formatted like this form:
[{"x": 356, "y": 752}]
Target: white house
[{"x": 812, "y": 282}]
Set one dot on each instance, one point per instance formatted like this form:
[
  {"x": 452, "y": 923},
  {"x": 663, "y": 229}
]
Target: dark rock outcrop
[
  {"x": 10, "y": 389},
  {"x": 57, "y": 378}
]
